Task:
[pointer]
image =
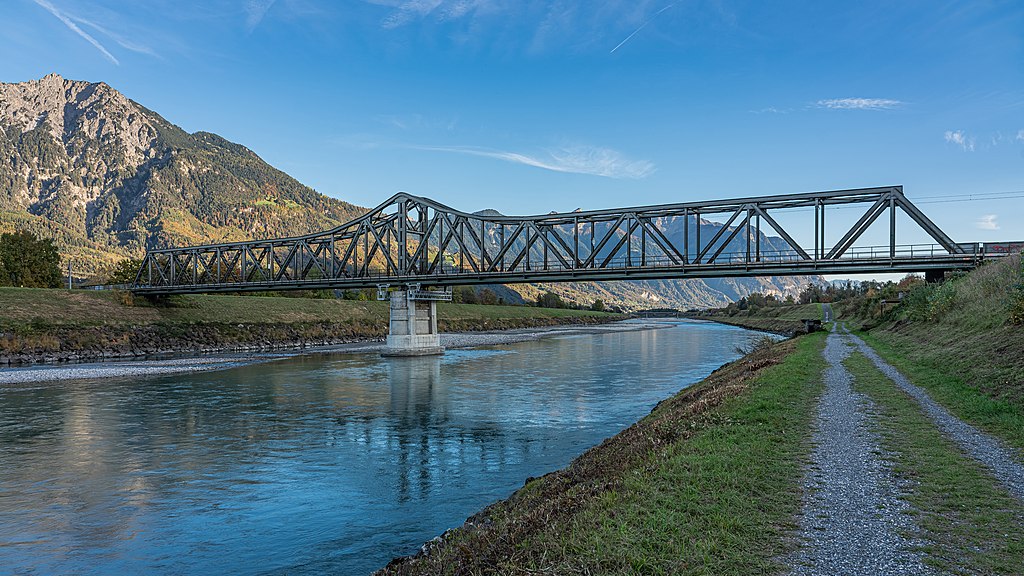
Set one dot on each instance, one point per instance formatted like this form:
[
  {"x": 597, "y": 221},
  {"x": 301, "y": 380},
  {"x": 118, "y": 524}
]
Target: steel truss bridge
[{"x": 410, "y": 240}]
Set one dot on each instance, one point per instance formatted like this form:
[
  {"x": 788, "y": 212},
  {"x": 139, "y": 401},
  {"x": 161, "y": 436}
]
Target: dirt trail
[
  {"x": 854, "y": 519},
  {"x": 1003, "y": 462}
]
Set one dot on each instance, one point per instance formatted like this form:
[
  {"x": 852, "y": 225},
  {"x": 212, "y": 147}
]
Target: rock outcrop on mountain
[{"x": 106, "y": 178}]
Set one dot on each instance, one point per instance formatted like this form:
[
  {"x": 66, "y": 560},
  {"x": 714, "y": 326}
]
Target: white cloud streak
[
  {"x": 74, "y": 28},
  {"x": 121, "y": 40},
  {"x": 415, "y": 9},
  {"x": 1020, "y": 135},
  {"x": 255, "y": 11},
  {"x": 590, "y": 160},
  {"x": 641, "y": 27},
  {"x": 958, "y": 137},
  {"x": 859, "y": 104},
  {"x": 987, "y": 222}
]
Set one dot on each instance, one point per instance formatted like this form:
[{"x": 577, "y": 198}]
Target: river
[{"x": 314, "y": 464}]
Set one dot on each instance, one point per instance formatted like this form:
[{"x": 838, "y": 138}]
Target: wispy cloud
[
  {"x": 255, "y": 11},
  {"x": 590, "y": 160},
  {"x": 639, "y": 28},
  {"x": 74, "y": 28},
  {"x": 1020, "y": 135},
  {"x": 859, "y": 104},
  {"x": 958, "y": 137},
  {"x": 987, "y": 222},
  {"x": 412, "y": 10},
  {"x": 771, "y": 110},
  {"x": 121, "y": 40}
]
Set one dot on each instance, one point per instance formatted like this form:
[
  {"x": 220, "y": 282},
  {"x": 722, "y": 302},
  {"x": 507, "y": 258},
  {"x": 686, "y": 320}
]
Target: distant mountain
[{"x": 107, "y": 178}]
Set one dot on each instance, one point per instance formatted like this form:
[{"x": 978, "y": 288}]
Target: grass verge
[
  {"x": 971, "y": 523},
  {"x": 951, "y": 382},
  {"x": 707, "y": 483},
  {"x": 55, "y": 325},
  {"x": 787, "y": 320}
]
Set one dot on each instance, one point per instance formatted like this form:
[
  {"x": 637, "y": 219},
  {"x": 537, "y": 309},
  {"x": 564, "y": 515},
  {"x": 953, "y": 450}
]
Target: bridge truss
[{"x": 414, "y": 240}]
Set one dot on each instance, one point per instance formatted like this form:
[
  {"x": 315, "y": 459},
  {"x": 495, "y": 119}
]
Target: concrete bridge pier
[{"x": 412, "y": 329}]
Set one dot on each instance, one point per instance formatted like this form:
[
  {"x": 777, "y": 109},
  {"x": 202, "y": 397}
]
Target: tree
[
  {"x": 464, "y": 295},
  {"x": 487, "y": 296},
  {"x": 550, "y": 300},
  {"x": 598, "y": 305},
  {"x": 28, "y": 261},
  {"x": 124, "y": 271}
]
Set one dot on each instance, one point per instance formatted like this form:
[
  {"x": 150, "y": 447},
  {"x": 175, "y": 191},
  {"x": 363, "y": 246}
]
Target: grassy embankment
[
  {"x": 957, "y": 341},
  {"x": 707, "y": 483},
  {"x": 970, "y": 523},
  {"x": 36, "y": 323},
  {"x": 780, "y": 320}
]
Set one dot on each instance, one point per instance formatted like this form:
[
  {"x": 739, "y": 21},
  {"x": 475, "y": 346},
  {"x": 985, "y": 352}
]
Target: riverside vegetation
[{"x": 711, "y": 481}]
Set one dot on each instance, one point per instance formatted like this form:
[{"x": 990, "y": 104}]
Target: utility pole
[{"x": 69, "y": 274}]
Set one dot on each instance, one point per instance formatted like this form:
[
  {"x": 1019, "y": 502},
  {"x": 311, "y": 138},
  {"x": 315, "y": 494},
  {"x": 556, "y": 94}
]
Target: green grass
[
  {"x": 795, "y": 312},
  {"x": 949, "y": 375},
  {"x": 972, "y": 525},
  {"x": 708, "y": 483},
  {"x": 43, "y": 307},
  {"x": 783, "y": 319},
  {"x": 719, "y": 503}
]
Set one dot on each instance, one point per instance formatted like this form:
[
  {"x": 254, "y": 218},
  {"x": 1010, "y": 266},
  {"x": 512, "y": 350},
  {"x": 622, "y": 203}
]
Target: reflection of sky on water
[{"x": 317, "y": 463}]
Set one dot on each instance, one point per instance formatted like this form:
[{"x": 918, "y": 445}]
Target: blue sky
[{"x": 528, "y": 106}]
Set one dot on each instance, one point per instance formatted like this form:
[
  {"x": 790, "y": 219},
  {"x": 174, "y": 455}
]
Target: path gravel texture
[
  {"x": 853, "y": 520},
  {"x": 1001, "y": 460}
]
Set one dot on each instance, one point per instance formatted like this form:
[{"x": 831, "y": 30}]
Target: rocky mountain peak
[
  {"x": 106, "y": 177},
  {"x": 71, "y": 109}
]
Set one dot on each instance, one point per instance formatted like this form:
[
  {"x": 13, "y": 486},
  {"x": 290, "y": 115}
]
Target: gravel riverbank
[{"x": 179, "y": 365}]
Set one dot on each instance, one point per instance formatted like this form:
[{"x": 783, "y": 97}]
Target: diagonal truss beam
[{"x": 410, "y": 239}]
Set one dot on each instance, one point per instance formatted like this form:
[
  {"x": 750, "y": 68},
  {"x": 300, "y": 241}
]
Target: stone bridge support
[{"x": 412, "y": 329}]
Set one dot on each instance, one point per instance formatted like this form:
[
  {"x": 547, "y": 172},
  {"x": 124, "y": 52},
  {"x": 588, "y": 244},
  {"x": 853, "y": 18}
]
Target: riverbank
[
  {"x": 916, "y": 425},
  {"x": 62, "y": 326},
  {"x": 783, "y": 320},
  {"x": 707, "y": 483},
  {"x": 222, "y": 361}
]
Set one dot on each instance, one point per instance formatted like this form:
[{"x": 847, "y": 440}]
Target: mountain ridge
[{"x": 107, "y": 178}]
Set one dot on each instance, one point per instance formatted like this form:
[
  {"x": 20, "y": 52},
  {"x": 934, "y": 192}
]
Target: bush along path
[
  {"x": 855, "y": 519},
  {"x": 896, "y": 484}
]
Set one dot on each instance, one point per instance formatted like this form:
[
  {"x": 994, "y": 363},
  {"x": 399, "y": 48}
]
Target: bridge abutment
[{"x": 412, "y": 328}]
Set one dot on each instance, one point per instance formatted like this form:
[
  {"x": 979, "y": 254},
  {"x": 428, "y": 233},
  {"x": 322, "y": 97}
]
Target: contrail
[
  {"x": 74, "y": 28},
  {"x": 642, "y": 26}
]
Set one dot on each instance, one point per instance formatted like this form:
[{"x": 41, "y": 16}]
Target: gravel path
[
  {"x": 1002, "y": 461},
  {"x": 853, "y": 518}
]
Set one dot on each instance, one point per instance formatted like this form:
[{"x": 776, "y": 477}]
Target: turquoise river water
[{"x": 314, "y": 464}]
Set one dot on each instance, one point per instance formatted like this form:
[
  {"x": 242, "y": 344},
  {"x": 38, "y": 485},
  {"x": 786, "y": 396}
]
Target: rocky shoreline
[
  {"x": 71, "y": 345},
  {"x": 206, "y": 359}
]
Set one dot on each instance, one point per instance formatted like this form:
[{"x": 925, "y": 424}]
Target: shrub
[{"x": 1017, "y": 297}]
